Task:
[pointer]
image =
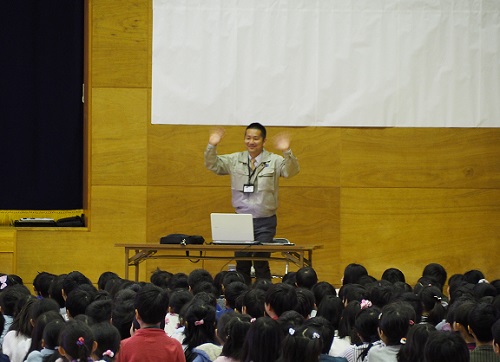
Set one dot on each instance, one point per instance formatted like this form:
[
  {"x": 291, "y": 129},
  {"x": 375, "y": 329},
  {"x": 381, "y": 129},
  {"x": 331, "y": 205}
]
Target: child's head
[
  {"x": 232, "y": 291},
  {"x": 108, "y": 341},
  {"x": 39, "y": 325},
  {"x": 41, "y": 284},
  {"x": 366, "y": 323},
  {"x": 77, "y": 302},
  {"x": 437, "y": 273},
  {"x": 22, "y": 320},
  {"x": 10, "y": 297},
  {"x": 495, "y": 331},
  {"x": 481, "y": 319},
  {"x": 76, "y": 341},
  {"x": 263, "y": 341},
  {"x": 253, "y": 302},
  {"x": 51, "y": 333},
  {"x": 446, "y": 347},
  {"x": 104, "y": 278},
  {"x": 199, "y": 321},
  {"x": 305, "y": 302},
  {"x": 151, "y": 304},
  {"x": 123, "y": 311},
  {"x": 179, "y": 298},
  {"x": 473, "y": 276},
  {"x": 331, "y": 308},
  {"x": 325, "y": 330},
  {"x": 351, "y": 292},
  {"x": 290, "y": 319},
  {"x": 346, "y": 324},
  {"x": 306, "y": 277},
  {"x": 322, "y": 289},
  {"x": 100, "y": 310},
  {"x": 197, "y": 276},
  {"x": 393, "y": 275},
  {"x": 235, "y": 331},
  {"x": 73, "y": 280},
  {"x": 413, "y": 348},
  {"x": 302, "y": 344},
  {"x": 433, "y": 304},
  {"x": 280, "y": 298},
  {"x": 56, "y": 290},
  {"x": 381, "y": 293},
  {"x": 161, "y": 278},
  {"x": 352, "y": 273},
  {"x": 394, "y": 322}
]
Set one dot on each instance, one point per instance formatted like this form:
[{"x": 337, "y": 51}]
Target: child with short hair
[
  {"x": 481, "y": 319},
  {"x": 263, "y": 341},
  {"x": 108, "y": 341},
  {"x": 366, "y": 327},
  {"x": 446, "y": 347}
]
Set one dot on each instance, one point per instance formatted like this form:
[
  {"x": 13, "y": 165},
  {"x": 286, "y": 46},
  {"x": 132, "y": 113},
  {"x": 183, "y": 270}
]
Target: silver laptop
[{"x": 232, "y": 229}]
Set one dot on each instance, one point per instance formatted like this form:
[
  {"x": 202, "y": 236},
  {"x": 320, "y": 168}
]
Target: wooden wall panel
[
  {"x": 119, "y": 136},
  {"x": 121, "y": 43},
  {"x": 409, "y": 228},
  {"x": 421, "y": 157}
]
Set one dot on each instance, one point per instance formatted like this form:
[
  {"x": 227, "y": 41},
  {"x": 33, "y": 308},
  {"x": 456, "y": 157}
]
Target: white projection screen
[{"x": 373, "y": 63}]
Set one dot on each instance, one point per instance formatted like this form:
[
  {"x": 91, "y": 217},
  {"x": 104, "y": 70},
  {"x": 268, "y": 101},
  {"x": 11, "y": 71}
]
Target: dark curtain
[{"x": 41, "y": 109}]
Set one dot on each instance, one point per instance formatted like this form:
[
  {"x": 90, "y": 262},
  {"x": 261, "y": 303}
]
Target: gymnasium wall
[{"x": 382, "y": 197}]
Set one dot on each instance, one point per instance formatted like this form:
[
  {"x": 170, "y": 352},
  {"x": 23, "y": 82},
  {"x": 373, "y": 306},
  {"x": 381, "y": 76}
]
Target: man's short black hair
[
  {"x": 258, "y": 126},
  {"x": 151, "y": 303}
]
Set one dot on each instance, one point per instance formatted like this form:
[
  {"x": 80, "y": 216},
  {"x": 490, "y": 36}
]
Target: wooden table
[{"x": 300, "y": 255}]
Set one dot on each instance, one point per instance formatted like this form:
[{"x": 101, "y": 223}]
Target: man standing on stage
[{"x": 255, "y": 177}]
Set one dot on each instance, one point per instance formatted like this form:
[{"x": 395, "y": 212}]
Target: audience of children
[{"x": 195, "y": 317}]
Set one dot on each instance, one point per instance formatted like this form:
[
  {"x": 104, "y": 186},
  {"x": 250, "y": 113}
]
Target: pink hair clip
[
  {"x": 109, "y": 353},
  {"x": 199, "y": 323},
  {"x": 80, "y": 341},
  {"x": 3, "y": 280},
  {"x": 411, "y": 322},
  {"x": 365, "y": 303}
]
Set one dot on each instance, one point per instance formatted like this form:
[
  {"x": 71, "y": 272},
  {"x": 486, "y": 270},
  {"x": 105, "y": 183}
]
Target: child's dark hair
[
  {"x": 178, "y": 281},
  {"x": 473, "y": 276},
  {"x": 77, "y": 301},
  {"x": 331, "y": 308},
  {"x": 446, "y": 347},
  {"x": 393, "y": 275},
  {"x": 290, "y": 278},
  {"x": 346, "y": 324},
  {"x": 413, "y": 300},
  {"x": 41, "y": 283},
  {"x": 381, "y": 293},
  {"x": 161, "y": 278},
  {"x": 151, "y": 303},
  {"x": 199, "y": 321},
  {"x": 321, "y": 289},
  {"x": 263, "y": 341},
  {"x": 281, "y": 297},
  {"x": 305, "y": 302},
  {"x": 437, "y": 273},
  {"x": 108, "y": 341},
  {"x": 481, "y": 319},
  {"x": 325, "y": 330},
  {"x": 433, "y": 304},
  {"x": 179, "y": 298},
  {"x": 302, "y": 344},
  {"x": 10, "y": 297},
  {"x": 206, "y": 287},
  {"x": 232, "y": 291},
  {"x": 395, "y": 320},
  {"x": 56, "y": 290},
  {"x": 73, "y": 280},
  {"x": 253, "y": 301},
  {"x": 123, "y": 311},
  {"x": 199, "y": 275},
  {"x": 350, "y": 292},
  {"x": 21, "y": 323},
  {"x": 263, "y": 284},
  {"x": 352, "y": 273},
  {"x": 306, "y": 277},
  {"x": 495, "y": 331},
  {"x": 235, "y": 331},
  {"x": 104, "y": 278},
  {"x": 413, "y": 348},
  {"x": 51, "y": 333},
  {"x": 232, "y": 276},
  {"x": 39, "y": 326},
  {"x": 290, "y": 319},
  {"x": 366, "y": 326},
  {"x": 77, "y": 341},
  {"x": 100, "y": 310}
]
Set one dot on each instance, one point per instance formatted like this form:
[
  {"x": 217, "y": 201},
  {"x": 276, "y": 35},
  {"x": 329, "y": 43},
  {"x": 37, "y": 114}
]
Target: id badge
[{"x": 248, "y": 188}]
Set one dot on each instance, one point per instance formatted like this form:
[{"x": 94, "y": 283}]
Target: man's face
[{"x": 254, "y": 141}]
